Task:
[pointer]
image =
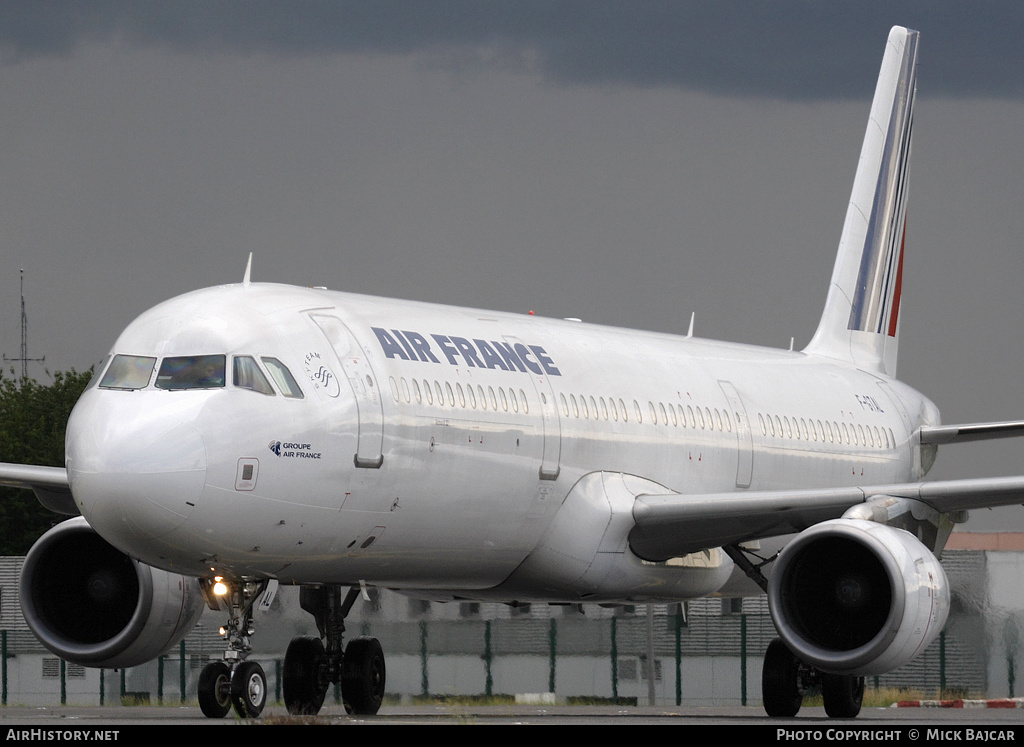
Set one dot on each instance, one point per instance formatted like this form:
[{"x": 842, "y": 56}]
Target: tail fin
[{"x": 860, "y": 323}]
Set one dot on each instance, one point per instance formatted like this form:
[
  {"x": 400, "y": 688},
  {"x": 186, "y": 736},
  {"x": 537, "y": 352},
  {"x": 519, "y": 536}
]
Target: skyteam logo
[{"x": 321, "y": 375}]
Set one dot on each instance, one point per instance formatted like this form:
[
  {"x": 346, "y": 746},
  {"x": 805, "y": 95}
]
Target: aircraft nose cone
[{"x": 134, "y": 473}]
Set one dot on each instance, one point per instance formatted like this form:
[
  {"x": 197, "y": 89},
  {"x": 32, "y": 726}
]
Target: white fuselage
[{"x": 422, "y": 457}]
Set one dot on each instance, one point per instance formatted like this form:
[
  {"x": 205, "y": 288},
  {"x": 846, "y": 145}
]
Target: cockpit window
[
  {"x": 191, "y": 372},
  {"x": 128, "y": 372},
  {"x": 97, "y": 371},
  {"x": 283, "y": 378},
  {"x": 247, "y": 375}
]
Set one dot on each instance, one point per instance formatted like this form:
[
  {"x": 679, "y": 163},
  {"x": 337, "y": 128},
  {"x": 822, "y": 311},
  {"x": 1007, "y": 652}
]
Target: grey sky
[{"x": 624, "y": 162}]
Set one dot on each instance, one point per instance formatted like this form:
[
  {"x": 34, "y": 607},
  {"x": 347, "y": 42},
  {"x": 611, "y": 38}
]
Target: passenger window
[
  {"x": 247, "y": 375},
  {"x": 283, "y": 378},
  {"x": 128, "y": 372},
  {"x": 192, "y": 372}
]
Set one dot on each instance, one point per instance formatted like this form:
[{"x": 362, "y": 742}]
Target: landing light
[{"x": 219, "y": 587}]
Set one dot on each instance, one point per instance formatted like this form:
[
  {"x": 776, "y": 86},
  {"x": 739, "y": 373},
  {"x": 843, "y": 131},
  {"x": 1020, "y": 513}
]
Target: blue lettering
[
  {"x": 508, "y": 355},
  {"x": 468, "y": 351},
  {"x": 412, "y": 346},
  {"x": 542, "y": 356},
  {"x": 405, "y": 344},
  {"x": 523, "y": 355},
  {"x": 388, "y": 345},
  {"x": 447, "y": 348},
  {"x": 491, "y": 359},
  {"x": 421, "y": 345}
]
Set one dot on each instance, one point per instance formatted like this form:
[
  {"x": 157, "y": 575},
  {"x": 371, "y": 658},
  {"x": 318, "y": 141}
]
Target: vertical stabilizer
[{"x": 861, "y": 318}]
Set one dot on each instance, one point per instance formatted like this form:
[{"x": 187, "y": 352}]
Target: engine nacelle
[
  {"x": 856, "y": 597},
  {"x": 92, "y": 605}
]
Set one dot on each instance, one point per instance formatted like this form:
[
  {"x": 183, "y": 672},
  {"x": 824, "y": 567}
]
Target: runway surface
[{"x": 94, "y": 719}]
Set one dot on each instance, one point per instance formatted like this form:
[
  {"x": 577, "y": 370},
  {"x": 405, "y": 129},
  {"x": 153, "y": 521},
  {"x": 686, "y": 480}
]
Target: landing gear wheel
[
  {"x": 842, "y": 694},
  {"x": 362, "y": 676},
  {"x": 215, "y": 689},
  {"x": 303, "y": 677},
  {"x": 248, "y": 689},
  {"x": 780, "y": 687}
]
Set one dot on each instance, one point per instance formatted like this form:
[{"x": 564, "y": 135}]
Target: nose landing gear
[{"x": 235, "y": 682}]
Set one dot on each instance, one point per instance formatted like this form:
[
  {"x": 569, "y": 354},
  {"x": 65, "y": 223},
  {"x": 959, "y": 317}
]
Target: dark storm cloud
[{"x": 795, "y": 50}]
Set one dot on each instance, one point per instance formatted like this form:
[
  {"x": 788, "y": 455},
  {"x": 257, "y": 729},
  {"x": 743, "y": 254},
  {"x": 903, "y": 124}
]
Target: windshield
[
  {"x": 191, "y": 372},
  {"x": 128, "y": 372}
]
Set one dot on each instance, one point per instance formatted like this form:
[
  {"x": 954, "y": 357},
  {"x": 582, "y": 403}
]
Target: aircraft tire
[
  {"x": 301, "y": 676},
  {"x": 780, "y": 691},
  {"x": 363, "y": 675},
  {"x": 842, "y": 694},
  {"x": 214, "y": 690},
  {"x": 248, "y": 689}
]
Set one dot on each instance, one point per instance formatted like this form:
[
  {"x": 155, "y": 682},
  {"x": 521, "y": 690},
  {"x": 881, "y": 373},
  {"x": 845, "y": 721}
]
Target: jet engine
[
  {"x": 856, "y": 597},
  {"x": 92, "y": 605}
]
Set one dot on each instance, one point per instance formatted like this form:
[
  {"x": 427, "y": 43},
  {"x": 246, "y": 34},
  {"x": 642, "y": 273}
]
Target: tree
[{"x": 33, "y": 418}]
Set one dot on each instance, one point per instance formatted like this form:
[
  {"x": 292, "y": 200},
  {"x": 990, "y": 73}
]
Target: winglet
[
  {"x": 860, "y": 323},
  {"x": 248, "y": 271}
]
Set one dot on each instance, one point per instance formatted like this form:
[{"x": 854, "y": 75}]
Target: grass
[{"x": 884, "y": 697}]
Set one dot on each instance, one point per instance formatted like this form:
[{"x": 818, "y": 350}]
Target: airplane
[{"x": 251, "y": 435}]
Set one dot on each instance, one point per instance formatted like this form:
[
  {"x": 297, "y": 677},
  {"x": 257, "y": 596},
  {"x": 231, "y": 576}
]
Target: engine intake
[
  {"x": 856, "y": 597},
  {"x": 92, "y": 605}
]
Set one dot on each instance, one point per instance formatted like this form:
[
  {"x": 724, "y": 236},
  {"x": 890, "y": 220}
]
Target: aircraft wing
[
  {"x": 671, "y": 525},
  {"x": 50, "y": 484}
]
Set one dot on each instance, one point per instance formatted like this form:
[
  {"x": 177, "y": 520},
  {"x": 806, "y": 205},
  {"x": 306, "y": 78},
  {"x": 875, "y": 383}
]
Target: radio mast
[{"x": 23, "y": 358}]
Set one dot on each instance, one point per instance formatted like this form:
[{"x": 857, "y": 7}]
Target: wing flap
[{"x": 672, "y": 525}]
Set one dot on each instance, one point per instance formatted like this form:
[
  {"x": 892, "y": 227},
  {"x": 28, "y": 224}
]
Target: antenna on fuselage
[
  {"x": 248, "y": 271},
  {"x": 689, "y": 332}
]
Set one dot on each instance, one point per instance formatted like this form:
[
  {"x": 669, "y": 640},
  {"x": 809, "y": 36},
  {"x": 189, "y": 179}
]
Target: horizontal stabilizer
[{"x": 952, "y": 434}]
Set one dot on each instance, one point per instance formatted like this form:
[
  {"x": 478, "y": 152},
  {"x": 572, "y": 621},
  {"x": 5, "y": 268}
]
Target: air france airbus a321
[{"x": 252, "y": 435}]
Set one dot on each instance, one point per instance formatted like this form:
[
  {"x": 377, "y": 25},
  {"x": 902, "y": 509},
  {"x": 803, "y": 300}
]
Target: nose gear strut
[{"x": 235, "y": 682}]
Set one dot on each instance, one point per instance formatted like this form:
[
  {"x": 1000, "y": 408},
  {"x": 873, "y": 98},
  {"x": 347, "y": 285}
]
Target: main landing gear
[
  {"x": 235, "y": 682},
  {"x": 785, "y": 680},
  {"x": 310, "y": 665}
]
